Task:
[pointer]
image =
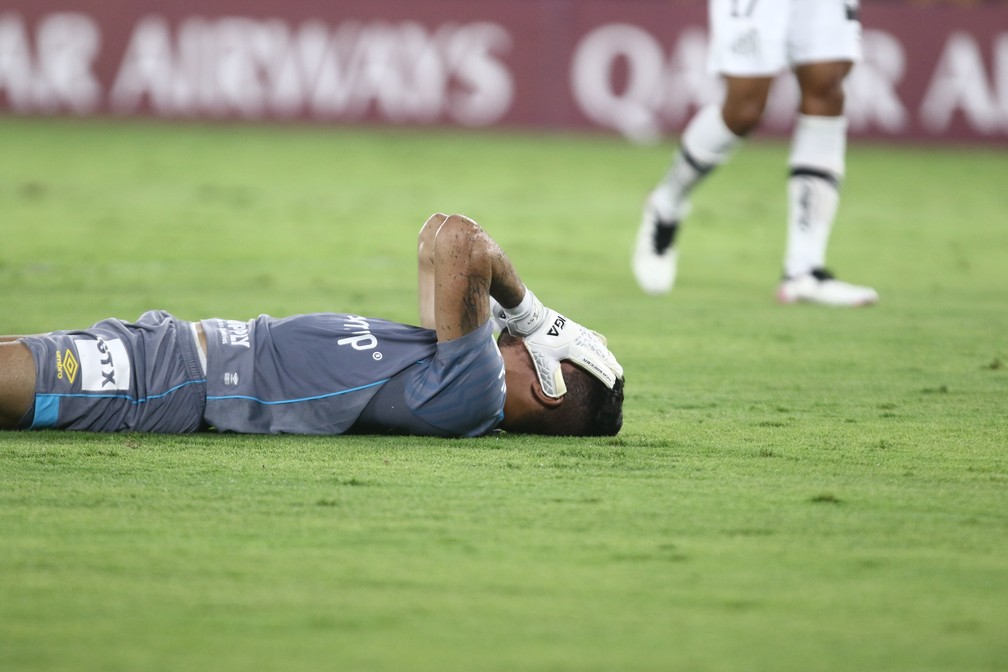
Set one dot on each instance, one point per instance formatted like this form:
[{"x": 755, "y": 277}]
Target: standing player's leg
[
  {"x": 17, "y": 382},
  {"x": 816, "y": 170},
  {"x": 707, "y": 142},
  {"x": 826, "y": 40},
  {"x": 747, "y": 49}
]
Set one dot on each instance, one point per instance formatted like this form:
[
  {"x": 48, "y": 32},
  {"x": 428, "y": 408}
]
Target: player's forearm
[
  {"x": 505, "y": 284},
  {"x": 490, "y": 264},
  {"x": 468, "y": 268},
  {"x": 425, "y": 269}
]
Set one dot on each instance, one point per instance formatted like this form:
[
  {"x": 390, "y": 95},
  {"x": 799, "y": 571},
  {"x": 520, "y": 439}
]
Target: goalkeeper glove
[{"x": 551, "y": 338}]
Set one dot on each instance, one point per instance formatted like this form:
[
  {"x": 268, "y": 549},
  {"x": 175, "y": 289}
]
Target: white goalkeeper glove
[
  {"x": 551, "y": 338},
  {"x": 498, "y": 315}
]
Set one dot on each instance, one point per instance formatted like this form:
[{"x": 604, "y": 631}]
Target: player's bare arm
[
  {"x": 425, "y": 268},
  {"x": 460, "y": 267}
]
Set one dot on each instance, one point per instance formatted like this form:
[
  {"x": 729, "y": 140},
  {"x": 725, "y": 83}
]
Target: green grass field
[{"x": 795, "y": 488}]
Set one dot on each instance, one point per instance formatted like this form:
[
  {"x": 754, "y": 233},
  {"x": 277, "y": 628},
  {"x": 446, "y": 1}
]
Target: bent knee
[
  {"x": 742, "y": 119},
  {"x": 744, "y": 103},
  {"x": 821, "y": 85}
]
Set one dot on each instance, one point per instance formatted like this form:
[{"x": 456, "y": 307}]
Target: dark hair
[
  {"x": 589, "y": 407},
  {"x": 597, "y": 410}
]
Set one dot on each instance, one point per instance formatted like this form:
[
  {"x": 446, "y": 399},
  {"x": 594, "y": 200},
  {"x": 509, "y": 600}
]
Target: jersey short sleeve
[{"x": 459, "y": 391}]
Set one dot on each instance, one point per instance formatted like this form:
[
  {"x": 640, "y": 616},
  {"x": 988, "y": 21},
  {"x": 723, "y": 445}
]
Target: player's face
[{"x": 525, "y": 400}]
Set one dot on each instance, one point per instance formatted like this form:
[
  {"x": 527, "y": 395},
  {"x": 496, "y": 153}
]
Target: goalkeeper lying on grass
[{"x": 332, "y": 373}]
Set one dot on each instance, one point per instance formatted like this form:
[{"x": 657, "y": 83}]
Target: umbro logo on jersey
[{"x": 66, "y": 364}]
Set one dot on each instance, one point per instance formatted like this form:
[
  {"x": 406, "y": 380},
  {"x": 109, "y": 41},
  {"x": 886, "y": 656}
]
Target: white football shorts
[{"x": 754, "y": 38}]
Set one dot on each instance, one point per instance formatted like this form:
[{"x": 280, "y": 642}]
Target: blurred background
[{"x": 934, "y": 70}]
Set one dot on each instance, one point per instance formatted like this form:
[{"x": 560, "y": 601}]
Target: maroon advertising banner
[{"x": 633, "y": 67}]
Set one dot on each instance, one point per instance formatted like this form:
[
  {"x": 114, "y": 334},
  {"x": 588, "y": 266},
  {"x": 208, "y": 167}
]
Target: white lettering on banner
[
  {"x": 622, "y": 76},
  {"x": 653, "y": 90},
  {"x": 258, "y": 68},
  {"x": 486, "y": 86},
  {"x": 59, "y": 77},
  {"x": 960, "y": 83},
  {"x": 872, "y": 100},
  {"x": 661, "y": 92}
]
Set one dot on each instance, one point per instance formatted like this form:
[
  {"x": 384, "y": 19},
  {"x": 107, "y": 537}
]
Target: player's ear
[{"x": 542, "y": 398}]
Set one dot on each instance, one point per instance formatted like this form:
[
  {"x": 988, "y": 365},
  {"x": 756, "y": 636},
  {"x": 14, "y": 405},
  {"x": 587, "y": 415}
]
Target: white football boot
[
  {"x": 821, "y": 287},
  {"x": 655, "y": 251}
]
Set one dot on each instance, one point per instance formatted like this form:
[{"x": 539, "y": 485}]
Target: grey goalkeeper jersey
[{"x": 331, "y": 373}]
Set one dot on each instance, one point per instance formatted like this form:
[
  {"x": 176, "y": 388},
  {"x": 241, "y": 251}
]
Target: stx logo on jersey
[
  {"x": 558, "y": 326},
  {"x": 234, "y": 332},
  {"x": 104, "y": 365},
  {"x": 67, "y": 364}
]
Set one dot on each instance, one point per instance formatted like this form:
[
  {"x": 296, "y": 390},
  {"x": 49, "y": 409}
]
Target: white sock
[
  {"x": 818, "y": 150},
  {"x": 705, "y": 144}
]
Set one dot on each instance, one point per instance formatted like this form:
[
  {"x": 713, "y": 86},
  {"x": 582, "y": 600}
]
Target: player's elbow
[
  {"x": 461, "y": 243},
  {"x": 461, "y": 225},
  {"x": 425, "y": 239}
]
